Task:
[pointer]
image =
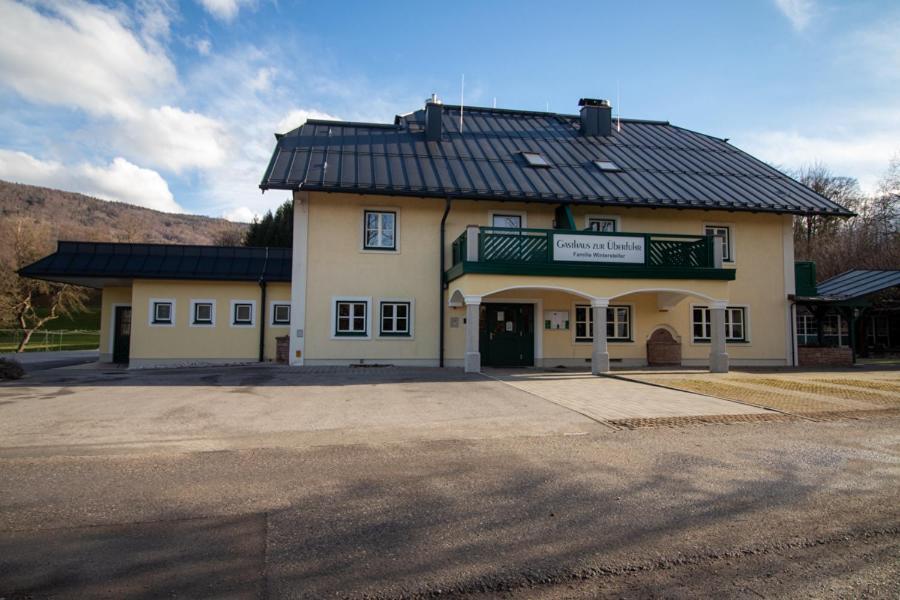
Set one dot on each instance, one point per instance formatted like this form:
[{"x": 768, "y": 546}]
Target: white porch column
[
  {"x": 473, "y": 315},
  {"x": 600, "y": 352},
  {"x": 718, "y": 357}
]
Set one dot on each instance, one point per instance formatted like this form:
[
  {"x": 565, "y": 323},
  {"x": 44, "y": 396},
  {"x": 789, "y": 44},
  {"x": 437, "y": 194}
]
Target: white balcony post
[
  {"x": 473, "y": 315},
  {"x": 718, "y": 357},
  {"x": 472, "y": 243},
  {"x": 600, "y": 350}
]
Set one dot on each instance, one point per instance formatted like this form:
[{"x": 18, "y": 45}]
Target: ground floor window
[
  {"x": 203, "y": 312},
  {"x": 162, "y": 312},
  {"x": 351, "y": 318},
  {"x": 735, "y": 324},
  {"x": 618, "y": 323},
  {"x": 281, "y": 314},
  {"x": 395, "y": 319},
  {"x": 807, "y": 329},
  {"x": 242, "y": 313},
  {"x": 878, "y": 331},
  {"x": 835, "y": 330}
]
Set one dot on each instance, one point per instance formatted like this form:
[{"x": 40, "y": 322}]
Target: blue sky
[{"x": 172, "y": 103}]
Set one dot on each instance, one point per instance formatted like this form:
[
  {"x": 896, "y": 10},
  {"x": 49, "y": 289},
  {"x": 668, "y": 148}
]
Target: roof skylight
[
  {"x": 536, "y": 160},
  {"x": 606, "y": 165}
]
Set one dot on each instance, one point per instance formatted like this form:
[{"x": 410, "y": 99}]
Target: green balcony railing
[{"x": 501, "y": 246}]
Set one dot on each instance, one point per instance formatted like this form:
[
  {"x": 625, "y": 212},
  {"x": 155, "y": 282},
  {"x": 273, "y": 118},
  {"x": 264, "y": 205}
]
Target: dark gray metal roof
[
  {"x": 662, "y": 165},
  {"x": 858, "y": 283},
  {"x": 82, "y": 262}
]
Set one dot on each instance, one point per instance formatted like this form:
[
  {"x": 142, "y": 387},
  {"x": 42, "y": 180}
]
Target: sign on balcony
[{"x": 598, "y": 248}]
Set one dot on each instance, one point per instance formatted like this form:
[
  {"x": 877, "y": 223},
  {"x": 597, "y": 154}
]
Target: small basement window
[
  {"x": 203, "y": 313},
  {"x": 536, "y": 160},
  {"x": 608, "y": 166}
]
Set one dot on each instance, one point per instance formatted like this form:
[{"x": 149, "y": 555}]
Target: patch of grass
[
  {"x": 819, "y": 389},
  {"x": 884, "y": 386},
  {"x": 88, "y": 320},
  {"x": 43, "y": 341},
  {"x": 759, "y": 397}
]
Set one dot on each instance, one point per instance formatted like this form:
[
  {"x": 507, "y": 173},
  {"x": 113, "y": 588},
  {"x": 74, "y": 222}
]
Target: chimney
[
  {"x": 596, "y": 116},
  {"x": 433, "y": 118}
]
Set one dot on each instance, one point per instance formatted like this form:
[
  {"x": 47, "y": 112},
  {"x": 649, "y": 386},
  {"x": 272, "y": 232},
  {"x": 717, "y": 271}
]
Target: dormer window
[
  {"x": 536, "y": 160},
  {"x": 608, "y": 166}
]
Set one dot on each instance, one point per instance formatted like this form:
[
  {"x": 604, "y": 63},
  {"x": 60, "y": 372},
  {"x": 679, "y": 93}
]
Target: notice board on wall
[{"x": 556, "y": 319}]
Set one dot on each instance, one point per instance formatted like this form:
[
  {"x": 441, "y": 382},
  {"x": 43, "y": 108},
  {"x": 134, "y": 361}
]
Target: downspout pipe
[
  {"x": 262, "y": 309},
  {"x": 442, "y": 284}
]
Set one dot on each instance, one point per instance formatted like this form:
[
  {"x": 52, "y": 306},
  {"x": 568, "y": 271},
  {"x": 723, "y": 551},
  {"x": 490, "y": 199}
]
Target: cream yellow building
[{"x": 490, "y": 237}]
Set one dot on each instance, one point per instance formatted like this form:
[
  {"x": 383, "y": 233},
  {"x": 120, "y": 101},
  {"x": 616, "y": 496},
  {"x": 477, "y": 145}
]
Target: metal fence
[{"x": 45, "y": 340}]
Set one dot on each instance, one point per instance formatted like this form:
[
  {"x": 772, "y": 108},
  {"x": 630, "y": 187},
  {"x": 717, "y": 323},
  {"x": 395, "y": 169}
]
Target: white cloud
[
  {"x": 173, "y": 139},
  {"x": 202, "y": 45},
  {"x": 863, "y": 155},
  {"x": 78, "y": 55},
  {"x": 225, "y": 10},
  {"x": 241, "y": 214},
  {"x": 876, "y": 49},
  {"x": 798, "y": 12},
  {"x": 120, "y": 180},
  {"x": 298, "y": 116}
]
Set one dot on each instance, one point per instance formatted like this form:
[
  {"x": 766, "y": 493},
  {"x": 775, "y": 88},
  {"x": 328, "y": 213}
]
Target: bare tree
[
  {"x": 868, "y": 240},
  {"x": 21, "y": 297},
  {"x": 229, "y": 237}
]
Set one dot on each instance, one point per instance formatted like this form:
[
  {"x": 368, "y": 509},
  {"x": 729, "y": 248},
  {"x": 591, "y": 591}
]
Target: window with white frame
[
  {"x": 242, "y": 313},
  {"x": 618, "y": 323},
  {"x": 506, "y": 221},
  {"x": 835, "y": 330},
  {"x": 162, "y": 312},
  {"x": 735, "y": 324},
  {"x": 725, "y": 232},
  {"x": 395, "y": 319},
  {"x": 281, "y": 314},
  {"x": 380, "y": 230},
  {"x": 807, "y": 329},
  {"x": 203, "y": 313},
  {"x": 603, "y": 224},
  {"x": 351, "y": 318}
]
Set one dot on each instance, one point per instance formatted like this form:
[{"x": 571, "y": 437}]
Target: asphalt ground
[{"x": 442, "y": 484}]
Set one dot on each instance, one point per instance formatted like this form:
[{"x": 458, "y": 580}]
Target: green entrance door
[{"x": 507, "y": 335}]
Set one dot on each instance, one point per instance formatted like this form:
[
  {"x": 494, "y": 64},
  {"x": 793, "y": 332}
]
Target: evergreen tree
[{"x": 273, "y": 230}]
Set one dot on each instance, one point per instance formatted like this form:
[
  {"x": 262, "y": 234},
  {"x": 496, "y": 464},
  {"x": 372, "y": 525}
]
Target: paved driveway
[{"x": 612, "y": 399}]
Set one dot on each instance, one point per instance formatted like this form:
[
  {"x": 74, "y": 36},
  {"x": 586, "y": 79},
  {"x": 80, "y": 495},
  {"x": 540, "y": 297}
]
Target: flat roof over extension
[{"x": 97, "y": 264}]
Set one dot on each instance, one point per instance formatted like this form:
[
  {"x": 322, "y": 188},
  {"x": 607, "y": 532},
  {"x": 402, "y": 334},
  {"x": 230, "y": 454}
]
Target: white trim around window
[
  {"x": 574, "y": 322},
  {"x": 232, "y": 313},
  {"x": 192, "y": 316},
  {"x": 394, "y": 318},
  {"x": 523, "y": 216},
  {"x": 728, "y": 257},
  {"x": 153, "y": 313},
  {"x": 363, "y": 247},
  {"x": 273, "y": 308},
  {"x": 350, "y": 329},
  {"x": 729, "y": 324},
  {"x": 617, "y": 220}
]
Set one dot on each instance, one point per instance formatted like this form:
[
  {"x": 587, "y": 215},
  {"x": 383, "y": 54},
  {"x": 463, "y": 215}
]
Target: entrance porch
[{"x": 597, "y": 324}]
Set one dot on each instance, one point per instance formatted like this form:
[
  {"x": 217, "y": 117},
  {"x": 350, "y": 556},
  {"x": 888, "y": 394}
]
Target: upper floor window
[
  {"x": 380, "y": 230},
  {"x": 507, "y": 221},
  {"x": 725, "y": 232},
  {"x": 603, "y": 224}
]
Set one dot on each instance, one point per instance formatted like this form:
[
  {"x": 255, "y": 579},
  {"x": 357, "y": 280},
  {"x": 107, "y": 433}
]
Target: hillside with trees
[{"x": 73, "y": 216}]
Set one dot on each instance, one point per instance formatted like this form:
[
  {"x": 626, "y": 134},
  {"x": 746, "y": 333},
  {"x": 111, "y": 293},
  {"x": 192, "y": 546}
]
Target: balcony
[{"x": 572, "y": 253}]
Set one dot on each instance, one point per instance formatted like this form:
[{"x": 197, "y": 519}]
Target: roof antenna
[
  {"x": 495, "y": 101},
  {"x": 462, "y": 89},
  {"x": 548, "y": 106},
  {"x": 618, "y": 109}
]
